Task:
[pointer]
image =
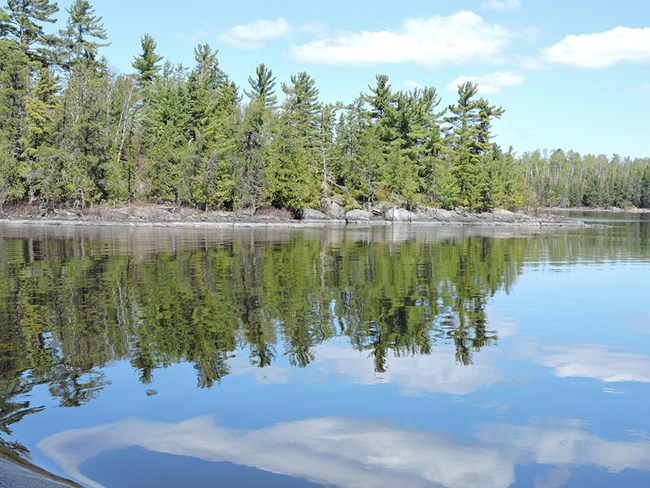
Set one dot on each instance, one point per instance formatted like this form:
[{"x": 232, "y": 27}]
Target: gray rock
[
  {"x": 397, "y": 214},
  {"x": 13, "y": 475},
  {"x": 357, "y": 215},
  {"x": 336, "y": 211},
  {"x": 312, "y": 214}
]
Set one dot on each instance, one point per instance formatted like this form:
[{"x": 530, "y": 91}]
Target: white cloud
[
  {"x": 501, "y": 4},
  {"x": 602, "y": 49},
  {"x": 431, "y": 42},
  {"x": 491, "y": 83},
  {"x": 256, "y": 34},
  {"x": 594, "y": 361}
]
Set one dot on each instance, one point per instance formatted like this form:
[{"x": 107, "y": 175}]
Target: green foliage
[
  {"x": 249, "y": 171},
  {"x": 262, "y": 87},
  {"x": 214, "y": 104},
  {"x": 182, "y": 136},
  {"x": 292, "y": 179},
  {"x": 147, "y": 62},
  {"x": 81, "y": 27},
  {"x": 470, "y": 122},
  {"x": 167, "y": 139},
  {"x": 22, "y": 21},
  {"x": 572, "y": 180},
  {"x": 84, "y": 138},
  {"x": 293, "y": 158}
]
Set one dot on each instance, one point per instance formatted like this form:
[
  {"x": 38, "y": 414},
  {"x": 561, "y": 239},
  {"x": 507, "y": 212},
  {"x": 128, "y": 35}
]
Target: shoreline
[
  {"x": 631, "y": 210},
  {"x": 160, "y": 216}
]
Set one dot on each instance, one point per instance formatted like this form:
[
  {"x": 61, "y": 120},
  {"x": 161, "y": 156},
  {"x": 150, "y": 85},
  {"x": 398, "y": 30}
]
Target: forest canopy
[{"x": 74, "y": 132}]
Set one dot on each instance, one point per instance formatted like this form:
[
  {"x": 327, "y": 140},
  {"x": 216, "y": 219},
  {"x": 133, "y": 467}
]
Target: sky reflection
[
  {"x": 358, "y": 453},
  {"x": 597, "y": 362}
]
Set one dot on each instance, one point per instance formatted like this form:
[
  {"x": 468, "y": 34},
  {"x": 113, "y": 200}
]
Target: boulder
[
  {"x": 336, "y": 211},
  {"x": 312, "y": 214},
  {"x": 357, "y": 215},
  {"x": 397, "y": 214}
]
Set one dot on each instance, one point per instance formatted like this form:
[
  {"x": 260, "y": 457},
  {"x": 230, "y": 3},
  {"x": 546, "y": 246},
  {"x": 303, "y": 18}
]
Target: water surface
[{"x": 341, "y": 356}]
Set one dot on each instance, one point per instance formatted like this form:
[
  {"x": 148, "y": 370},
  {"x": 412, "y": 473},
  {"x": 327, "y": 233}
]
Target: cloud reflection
[
  {"x": 352, "y": 453},
  {"x": 434, "y": 373},
  {"x": 566, "y": 443},
  {"x": 337, "y": 451},
  {"x": 597, "y": 362}
]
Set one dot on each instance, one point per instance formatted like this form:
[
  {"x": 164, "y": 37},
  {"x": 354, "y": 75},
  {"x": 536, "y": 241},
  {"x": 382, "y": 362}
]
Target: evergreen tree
[
  {"x": 76, "y": 39},
  {"x": 469, "y": 138},
  {"x": 42, "y": 171},
  {"x": 15, "y": 87},
  {"x": 250, "y": 171},
  {"x": 360, "y": 153},
  {"x": 262, "y": 87},
  {"x": 327, "y": 149},
  {"x": 22, "y": 22},
  {"x": 84, "y": 134},
  {"x": 214, "y": 123},
  {"x": 302, "y": 103},
  {"x": 293, "y": 168},
  {"x": 381, "y": 99},
  {"x": 644, "y": 194},
  {"x": 167, "y": 140},
  {"x": 147, "y": 62}
]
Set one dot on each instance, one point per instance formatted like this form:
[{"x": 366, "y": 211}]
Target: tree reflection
[{"x": 68, "y": 307}]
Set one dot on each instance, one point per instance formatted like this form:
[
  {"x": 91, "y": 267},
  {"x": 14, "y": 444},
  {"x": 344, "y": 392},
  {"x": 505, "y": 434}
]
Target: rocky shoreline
[{"x": 159, "y": 215}]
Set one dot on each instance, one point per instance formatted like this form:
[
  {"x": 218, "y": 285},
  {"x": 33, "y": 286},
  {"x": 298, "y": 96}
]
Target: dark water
[{"x": 345, "y": 356}]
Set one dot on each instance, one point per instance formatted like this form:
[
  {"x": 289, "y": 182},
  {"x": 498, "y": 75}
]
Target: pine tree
[
  {"x": 22, "y": 22},
  {"x": 470, "y": 122},
  {"x": 214, "y": 103},
  {"x": 167, "y": 149},
  {"x": 262, "y": 87},
  {"x": 147, "y": 62},
  {"x": 360, "y": 153},
  {"x": 293, "y": 169},
  {"x": 82, "y": 26},
  {"x": 250, "y": 171},
  {"x": 84, "y": 132},
  {"x": 42, "y": 169}
]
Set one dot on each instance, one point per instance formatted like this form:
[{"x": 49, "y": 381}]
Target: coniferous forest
[{"x": 75, "y": 133}]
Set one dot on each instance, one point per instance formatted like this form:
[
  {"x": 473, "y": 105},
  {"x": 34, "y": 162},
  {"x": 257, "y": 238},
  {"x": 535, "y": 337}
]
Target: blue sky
[{"x": 570, "y": 74}]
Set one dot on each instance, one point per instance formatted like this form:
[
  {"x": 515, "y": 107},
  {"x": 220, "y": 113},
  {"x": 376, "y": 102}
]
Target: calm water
[{"x": 346, "y": 356}]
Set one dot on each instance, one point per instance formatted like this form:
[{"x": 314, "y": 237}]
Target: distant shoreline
[{"x": 632, "y": 210}]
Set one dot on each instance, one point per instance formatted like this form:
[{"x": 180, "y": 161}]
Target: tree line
[{"x": 72, "y": 132}]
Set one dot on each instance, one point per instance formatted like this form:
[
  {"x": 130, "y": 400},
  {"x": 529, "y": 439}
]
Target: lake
[{"x": 351, "y": 356}]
